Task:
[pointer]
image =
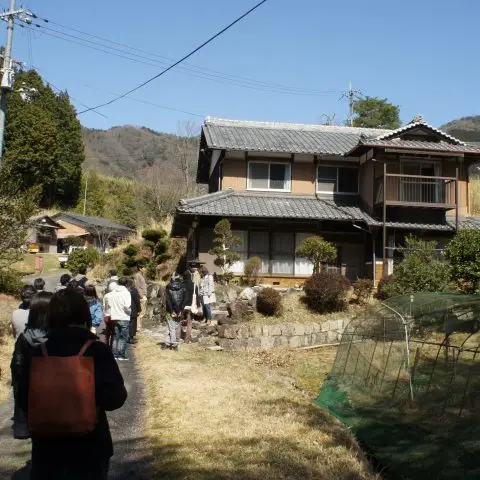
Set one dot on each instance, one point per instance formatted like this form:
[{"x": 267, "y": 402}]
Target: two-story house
[{"x": 362, "y": 189}]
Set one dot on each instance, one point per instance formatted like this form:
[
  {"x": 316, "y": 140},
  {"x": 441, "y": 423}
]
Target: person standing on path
[
  {"x": 20, "y": 315},
  {"x": 64, "y": 281},
  {"x": 141, "y": 286},
  {"x": 34, "y": 335},
  {"x": 85, "y": 456},
  {"x": 95, "y": 307},
  {"x": 175, "y": 297},
  {"x": 118, "y": 304},
  {"x": 135, "y": 311},
  {"x": 207, "y": 293}
]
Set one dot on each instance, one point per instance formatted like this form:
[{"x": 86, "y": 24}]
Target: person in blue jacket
[{"x": 94, "y": 305}]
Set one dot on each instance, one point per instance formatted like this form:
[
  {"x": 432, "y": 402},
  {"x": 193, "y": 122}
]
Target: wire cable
[
  {"x": 60, "y": 90},
  {"x": 197, "y": 67},
  {"x": 221, "y": 78},
  {"x": 173, "y": 65}
]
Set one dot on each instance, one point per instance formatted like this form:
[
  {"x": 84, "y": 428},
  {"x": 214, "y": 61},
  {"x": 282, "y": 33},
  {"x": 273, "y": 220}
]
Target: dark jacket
[
  {"x": 175, "y": 297},
  {"x": 22, "y": 354},
  {"x": 110, "y": 395},
  {"x": 136, "y": 306}
]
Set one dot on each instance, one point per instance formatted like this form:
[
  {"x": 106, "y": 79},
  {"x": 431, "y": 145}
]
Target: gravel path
[{"x": 130, "y": 461}]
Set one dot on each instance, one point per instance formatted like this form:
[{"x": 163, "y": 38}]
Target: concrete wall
[{"x": 288, "y": 335}]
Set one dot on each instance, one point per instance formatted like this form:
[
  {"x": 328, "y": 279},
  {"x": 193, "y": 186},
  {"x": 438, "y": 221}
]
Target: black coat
[
  {"x": 110, "y": 395},
  {"x": 136, "y": 306},
  {"x": 175, "y": 297}
]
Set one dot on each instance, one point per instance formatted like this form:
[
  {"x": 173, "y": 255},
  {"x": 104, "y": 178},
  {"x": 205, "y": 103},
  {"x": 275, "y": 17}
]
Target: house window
[
  {"x": 259, "y": 247},
  {"x": 303, "y": 266},
  {"x": 269, "y": 176},
  {"x": 242, "y": 250},
  {"x": 283, "y": 257},
  {"x": 337, "y": 179}
]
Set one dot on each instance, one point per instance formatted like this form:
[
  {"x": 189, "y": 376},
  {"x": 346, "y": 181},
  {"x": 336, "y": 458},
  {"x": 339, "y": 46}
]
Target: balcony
[{"x": 416, "y": 191}]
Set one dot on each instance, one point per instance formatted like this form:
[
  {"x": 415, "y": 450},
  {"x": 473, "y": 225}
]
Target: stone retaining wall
[{"x": 289, "y": 335}]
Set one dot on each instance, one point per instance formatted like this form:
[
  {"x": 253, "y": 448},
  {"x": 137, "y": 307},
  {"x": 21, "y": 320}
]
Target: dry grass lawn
[
  {"x": 219, "y": 415},
  {"x": 295, "y": 311},
  {"x": 7, "y": 305}
]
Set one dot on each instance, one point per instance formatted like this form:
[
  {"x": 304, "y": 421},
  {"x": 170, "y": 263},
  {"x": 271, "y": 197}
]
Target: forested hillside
[
  {"x": 466, "y": 128},
  {"x": 129, "y": 151}
]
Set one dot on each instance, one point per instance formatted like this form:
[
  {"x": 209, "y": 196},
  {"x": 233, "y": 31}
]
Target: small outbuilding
[{"x": 42, "y": 236}]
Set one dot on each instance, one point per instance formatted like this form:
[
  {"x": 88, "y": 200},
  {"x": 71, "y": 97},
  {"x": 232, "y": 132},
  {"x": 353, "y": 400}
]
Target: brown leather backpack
[{"x": 61, "y": 398}]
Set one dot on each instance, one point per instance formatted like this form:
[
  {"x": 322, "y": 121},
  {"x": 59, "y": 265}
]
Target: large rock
[
  {"x": 247, "y": 294},
  {"x": 240, "y": 310},
  {"x": 227, "y": 331}
]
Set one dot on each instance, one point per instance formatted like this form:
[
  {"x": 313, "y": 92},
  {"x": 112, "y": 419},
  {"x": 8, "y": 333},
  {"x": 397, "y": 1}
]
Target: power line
[
  {"x": 146, "y": 102},
  {"x": 179, "y": 61},
  {"x": 219, "y": 78},
  {"x": 259, "y": 82}
]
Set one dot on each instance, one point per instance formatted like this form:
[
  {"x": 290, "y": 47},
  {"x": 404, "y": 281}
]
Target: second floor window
[
  {"x": 269, "y": 176},
  {"x": 337, "y": 180}
]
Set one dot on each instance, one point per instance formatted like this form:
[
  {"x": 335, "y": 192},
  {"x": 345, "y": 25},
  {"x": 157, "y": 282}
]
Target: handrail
[{"x": 419, "y": 176}]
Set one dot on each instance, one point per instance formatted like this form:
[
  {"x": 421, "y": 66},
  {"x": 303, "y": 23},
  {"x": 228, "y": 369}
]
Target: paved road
[{"x": 131, "y": 460}]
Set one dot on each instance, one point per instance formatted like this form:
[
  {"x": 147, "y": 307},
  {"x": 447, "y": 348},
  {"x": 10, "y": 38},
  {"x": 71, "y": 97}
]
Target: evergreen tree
[
  {"x": 373, "y": 112},
  {"x": 43, "y": 141}
]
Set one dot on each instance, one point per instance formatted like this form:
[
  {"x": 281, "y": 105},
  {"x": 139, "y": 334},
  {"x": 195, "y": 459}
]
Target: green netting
[{"x": 406, "y": 381}]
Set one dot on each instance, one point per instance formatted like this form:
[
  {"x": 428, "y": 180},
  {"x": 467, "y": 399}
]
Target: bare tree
[{"x": 186, "y": 149}]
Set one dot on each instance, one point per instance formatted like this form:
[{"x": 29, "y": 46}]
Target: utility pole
[
  {"x": 85, "y": 196},
  {"x": 352, "y": 94},
  {"x": 7, "y": 69}
]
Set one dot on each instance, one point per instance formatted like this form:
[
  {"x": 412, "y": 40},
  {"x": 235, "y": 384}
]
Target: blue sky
[{"x": 421, "y": 55}]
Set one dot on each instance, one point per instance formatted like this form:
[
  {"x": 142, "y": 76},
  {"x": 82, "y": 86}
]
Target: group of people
[
  {"x": 50, "y": 395},
  {"x": 186, "y": 297}
]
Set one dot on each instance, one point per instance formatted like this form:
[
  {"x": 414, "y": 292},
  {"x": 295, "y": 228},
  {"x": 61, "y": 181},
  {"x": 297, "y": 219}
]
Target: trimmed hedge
[
  {"x": 326, "y": 292},
  {"x": 269, "y": 302}
]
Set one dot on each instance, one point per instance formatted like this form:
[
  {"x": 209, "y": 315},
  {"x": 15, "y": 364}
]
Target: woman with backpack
[
  {"x": 66, "y": 387},
  {"x": 35, "y": 334}
]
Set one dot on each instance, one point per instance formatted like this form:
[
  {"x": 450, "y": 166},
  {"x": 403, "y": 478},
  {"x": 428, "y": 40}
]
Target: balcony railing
[{"x": 416, "y": 190}]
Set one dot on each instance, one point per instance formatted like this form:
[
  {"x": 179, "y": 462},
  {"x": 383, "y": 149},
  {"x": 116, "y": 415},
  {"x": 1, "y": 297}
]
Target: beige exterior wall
[
  {"x": 69, "y": 229},
  {"x": 234, "y": 174},
  {"x": 303, "y": 178}
]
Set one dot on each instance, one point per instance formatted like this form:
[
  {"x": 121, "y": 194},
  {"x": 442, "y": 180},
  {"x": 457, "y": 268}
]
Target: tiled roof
[
  {"x": 248, "y": 204},
  {"x": 95, "y": 222},
  {"x": 409, "y": 126},
  {"x": 283, "y": 137},
  {"x": 441, "y": 146},
  {"x": 447, "y": 227},
  {"x": 230, "y": 203}
]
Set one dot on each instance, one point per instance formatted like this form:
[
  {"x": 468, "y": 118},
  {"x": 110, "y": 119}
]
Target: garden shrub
[
  {"x": 269, "y": 302},
  {"x": 363, "y": 289},
  {"x": 154, "y": 235},
  {"x": 326, "y": 292},
  {"x": 252, "y": 269},
  {"x": 382, "y": 288},
  {"x": 462, "y": 253},
  {"x": 87, "y": 258},
  {"x": 420, "y": 271},
  {"x": 317, "y": 250},
  {"x": 10, "y": 282}
]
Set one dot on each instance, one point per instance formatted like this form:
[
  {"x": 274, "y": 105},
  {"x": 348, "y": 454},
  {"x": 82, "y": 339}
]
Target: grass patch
[
  {"x": 7, "y": 305},
  {"x": 27, "y": 265},
  {"x": 219, "y": 415},
  {"x": 295, "y": 311}
]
